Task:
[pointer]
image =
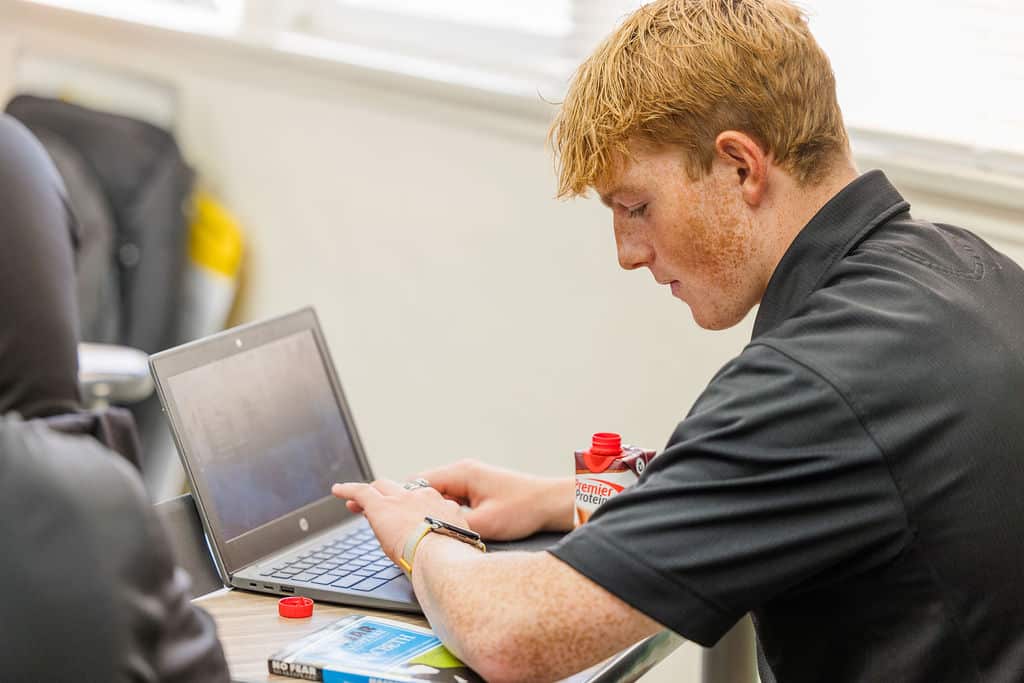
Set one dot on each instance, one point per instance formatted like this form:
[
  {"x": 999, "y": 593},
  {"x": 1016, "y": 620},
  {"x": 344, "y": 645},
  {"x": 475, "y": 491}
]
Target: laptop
[{"x": 263, "y": 430}]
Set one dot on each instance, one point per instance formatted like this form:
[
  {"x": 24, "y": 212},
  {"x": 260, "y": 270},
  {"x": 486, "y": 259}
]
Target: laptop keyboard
[{"x": 353, "y": 561}]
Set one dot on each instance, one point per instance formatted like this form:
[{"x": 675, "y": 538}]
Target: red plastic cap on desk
[{"x": 295, "y": 608}]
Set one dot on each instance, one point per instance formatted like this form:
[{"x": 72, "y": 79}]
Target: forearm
[
  {"x": 438, "y": 568},
  {"x": 520, "y": 616}
]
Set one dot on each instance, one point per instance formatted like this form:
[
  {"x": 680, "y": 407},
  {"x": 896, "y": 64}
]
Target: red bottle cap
[
  {"x": 295, "y": 608},
  {"x": 604, "y": 448}
]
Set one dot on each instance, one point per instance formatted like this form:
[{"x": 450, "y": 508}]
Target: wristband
[
  {"x": 441, "y": 527},
  {"x": 413, "y": 542}
]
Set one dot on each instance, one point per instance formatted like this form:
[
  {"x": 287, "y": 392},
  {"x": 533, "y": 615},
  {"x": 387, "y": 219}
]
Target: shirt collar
[{"x": 864, "y": 204}]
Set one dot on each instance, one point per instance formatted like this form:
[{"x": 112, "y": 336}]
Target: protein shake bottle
[{"x": 604, "y": 470}]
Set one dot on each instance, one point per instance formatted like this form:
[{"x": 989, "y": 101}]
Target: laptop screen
[{"x": 265, "y": 432}]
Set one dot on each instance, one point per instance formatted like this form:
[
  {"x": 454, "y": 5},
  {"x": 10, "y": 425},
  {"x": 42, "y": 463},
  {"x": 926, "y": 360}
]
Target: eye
[{"x": 637, "y": 211}]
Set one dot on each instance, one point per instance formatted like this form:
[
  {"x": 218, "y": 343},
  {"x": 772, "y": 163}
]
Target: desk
[{"x": 251, "y": 631}]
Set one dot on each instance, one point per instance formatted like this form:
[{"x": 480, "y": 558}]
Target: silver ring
[{"x": 416, "y": 484}]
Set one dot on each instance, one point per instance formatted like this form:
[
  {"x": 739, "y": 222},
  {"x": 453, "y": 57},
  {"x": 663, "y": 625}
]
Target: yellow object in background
[
  {"x": 215, "y": 249},
  {"x": 214, "y": 238}
]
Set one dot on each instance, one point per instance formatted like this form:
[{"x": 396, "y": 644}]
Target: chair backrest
[
  {"x": 188, "y": 543},
  {"x": 97, "y": 276},
  {"x": 145, "y": 181}
]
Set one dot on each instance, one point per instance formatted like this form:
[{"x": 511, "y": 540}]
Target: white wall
[{"x": 468, "y": 312}]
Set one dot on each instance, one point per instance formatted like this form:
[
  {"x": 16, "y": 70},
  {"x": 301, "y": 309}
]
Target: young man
[{"x": 852, "y": 478}]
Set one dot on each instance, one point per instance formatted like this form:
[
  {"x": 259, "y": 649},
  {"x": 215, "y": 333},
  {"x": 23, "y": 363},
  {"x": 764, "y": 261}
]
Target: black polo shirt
[{"x": 855, "y": 477}]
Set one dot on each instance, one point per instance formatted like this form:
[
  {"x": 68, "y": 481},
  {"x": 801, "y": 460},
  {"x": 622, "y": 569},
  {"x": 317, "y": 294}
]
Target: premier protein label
[
  {"x": 595, "y": 491},
  {"x": 594, "y": 486}
]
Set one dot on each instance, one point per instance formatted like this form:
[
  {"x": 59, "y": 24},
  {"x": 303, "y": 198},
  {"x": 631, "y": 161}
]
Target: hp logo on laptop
[{"x": 303, "y": 524}]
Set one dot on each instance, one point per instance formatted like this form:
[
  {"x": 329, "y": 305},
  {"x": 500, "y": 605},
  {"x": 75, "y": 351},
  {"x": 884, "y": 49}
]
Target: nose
[{"x": 633, "y": 250}]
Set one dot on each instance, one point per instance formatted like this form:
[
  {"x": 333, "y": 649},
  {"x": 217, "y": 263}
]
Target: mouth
[{"x": 674, "y": 284}]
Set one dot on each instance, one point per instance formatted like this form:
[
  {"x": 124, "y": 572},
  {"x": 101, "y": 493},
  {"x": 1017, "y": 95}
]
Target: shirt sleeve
[{"x": 771, "y": 484}]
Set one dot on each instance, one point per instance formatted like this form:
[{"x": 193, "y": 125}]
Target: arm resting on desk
[
  {"x": 511, "y": 615},
  {"x": 517, "y": 616}
]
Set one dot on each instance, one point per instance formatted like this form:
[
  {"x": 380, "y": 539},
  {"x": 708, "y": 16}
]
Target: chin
[{"x": 717, "y": 320}]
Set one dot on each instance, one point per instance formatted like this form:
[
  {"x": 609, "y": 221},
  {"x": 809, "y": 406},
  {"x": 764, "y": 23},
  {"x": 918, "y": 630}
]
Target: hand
[
  {"x": 506, "y": 505},
  {"x": 394, "y": 512}
]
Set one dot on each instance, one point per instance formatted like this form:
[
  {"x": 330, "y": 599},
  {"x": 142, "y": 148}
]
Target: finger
[
  {"x": 363, "y": 494},
  {"x": 387, "y": 487},
  {"x": 429, "y": 493},
  {"x": 451, "y": 481},
  {"x": 488, "y": 521},
  {"x": 480, "y": 518},
  {"x": 353, "y": 507}
]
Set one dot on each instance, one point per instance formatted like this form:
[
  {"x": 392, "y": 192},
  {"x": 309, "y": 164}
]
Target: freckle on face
[
  {"x": 698, "y": 234},
  {"x": 721, "y": 258}
]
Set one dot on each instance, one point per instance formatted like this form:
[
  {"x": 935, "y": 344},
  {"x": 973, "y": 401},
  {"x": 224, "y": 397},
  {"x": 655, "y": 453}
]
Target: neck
[{"x": 791, "y": 207}]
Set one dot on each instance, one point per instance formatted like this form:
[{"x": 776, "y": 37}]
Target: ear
[{"x": 744, "y": 156}]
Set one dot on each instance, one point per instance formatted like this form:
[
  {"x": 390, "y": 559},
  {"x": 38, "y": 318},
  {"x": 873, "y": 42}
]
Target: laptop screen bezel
[{"x": 294, "y": 527}]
